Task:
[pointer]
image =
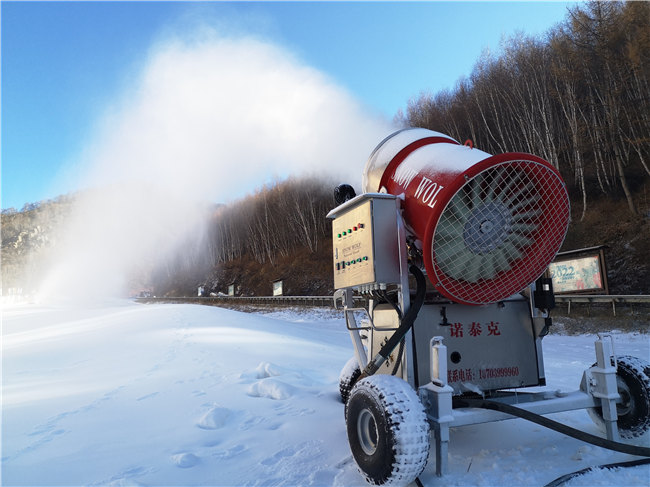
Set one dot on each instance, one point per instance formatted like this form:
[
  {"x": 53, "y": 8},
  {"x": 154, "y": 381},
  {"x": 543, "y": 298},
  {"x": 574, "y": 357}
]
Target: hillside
[{"x": 29, "y": 237}]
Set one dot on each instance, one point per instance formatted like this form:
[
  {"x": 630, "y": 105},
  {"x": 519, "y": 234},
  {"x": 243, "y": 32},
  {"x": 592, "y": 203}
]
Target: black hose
[
  {"x": 405, "y": 325},
  {"x": 401, "y": 343},
  {"x": 569, "y": 476},
  {"x": 640, "y": 451},
  {"x": 400, "y": 351}
]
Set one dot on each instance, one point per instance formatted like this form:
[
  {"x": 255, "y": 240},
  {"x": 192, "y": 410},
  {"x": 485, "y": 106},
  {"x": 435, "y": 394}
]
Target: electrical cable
[
  {"x": 559, "y": 427},
  {"x": 567, "y": 430},
  {"x": 565, "y": 478},
  {"x": 385, "y": 297},
  {"x": 405, "y": 325}
]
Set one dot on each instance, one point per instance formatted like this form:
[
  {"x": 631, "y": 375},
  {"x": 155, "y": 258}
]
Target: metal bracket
[
  {"x": 600, "y": 382},
  {"x": 436, "y": 398}
]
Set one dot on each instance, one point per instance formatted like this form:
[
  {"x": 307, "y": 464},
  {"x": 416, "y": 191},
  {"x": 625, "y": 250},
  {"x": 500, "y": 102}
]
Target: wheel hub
[
  {"x": 367, "y": 432},
  {"x": 626, "y": 404}
]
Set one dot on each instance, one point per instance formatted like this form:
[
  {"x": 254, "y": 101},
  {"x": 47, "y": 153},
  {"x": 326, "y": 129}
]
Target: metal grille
[{"x": 500, "y": 231}]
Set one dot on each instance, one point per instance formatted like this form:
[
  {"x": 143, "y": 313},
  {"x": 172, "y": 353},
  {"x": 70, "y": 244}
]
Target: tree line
[
  {"x": 277, "y": 221},
  {"x": 273, "y": 221},
  {"x": 580, "y": 98}
]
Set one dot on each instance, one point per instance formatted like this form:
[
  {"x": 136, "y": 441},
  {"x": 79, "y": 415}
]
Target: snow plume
[{"x": 209, "y": 119}]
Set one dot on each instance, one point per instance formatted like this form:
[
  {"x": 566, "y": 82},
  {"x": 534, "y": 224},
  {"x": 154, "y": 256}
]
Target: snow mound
[
  {"x": 215, "y": 418},
  {"x": 272, "y": 389},
  {"x": 185, "y": 460},
  {"x": 262, "y": 371}
]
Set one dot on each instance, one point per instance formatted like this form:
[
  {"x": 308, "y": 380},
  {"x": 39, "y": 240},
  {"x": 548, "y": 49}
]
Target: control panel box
[{"x": 366, "y": 241}]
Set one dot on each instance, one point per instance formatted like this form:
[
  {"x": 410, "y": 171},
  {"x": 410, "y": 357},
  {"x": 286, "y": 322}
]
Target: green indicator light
[
  {"x": 359, "y": 259},
  {"x": 339, "y": 235},
  {"x": 349, "y": 230},
  {"x": 365, "y": 258}
]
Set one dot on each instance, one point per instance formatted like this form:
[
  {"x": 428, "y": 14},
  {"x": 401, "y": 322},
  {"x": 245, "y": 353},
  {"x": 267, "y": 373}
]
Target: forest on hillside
[
  {"x": 579, "y": 98},
  {"x": 278, "y": 231}
]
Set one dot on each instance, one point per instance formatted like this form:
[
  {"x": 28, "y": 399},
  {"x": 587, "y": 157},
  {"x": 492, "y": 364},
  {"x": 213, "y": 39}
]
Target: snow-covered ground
[{"x": 129, "y": 394}]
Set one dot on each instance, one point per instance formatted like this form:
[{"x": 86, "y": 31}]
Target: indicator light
[
  {"x": 360, "y": 225},
  {"x": 339, "y": 235},
  {"x": 354, "y": 228},
  {"x": 365, "y": 258}
]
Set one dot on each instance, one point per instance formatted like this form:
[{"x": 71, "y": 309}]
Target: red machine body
[{"x": 488, "y": 225}]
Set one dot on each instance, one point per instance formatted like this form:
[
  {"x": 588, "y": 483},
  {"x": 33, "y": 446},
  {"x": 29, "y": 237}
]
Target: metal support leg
[
  {"x": 359, "y": 351},
  {"x": 441, "y": 432},
  {"x": 601, "y": 380},
  {"x": 346, "y": 298},
  {"x": 436, "y": 398}
]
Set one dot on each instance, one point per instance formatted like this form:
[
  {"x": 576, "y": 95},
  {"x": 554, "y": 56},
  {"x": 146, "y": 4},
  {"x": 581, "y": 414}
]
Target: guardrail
[
  {"x": 602, "y": 298},
  {"x": 327, "y": 301}
]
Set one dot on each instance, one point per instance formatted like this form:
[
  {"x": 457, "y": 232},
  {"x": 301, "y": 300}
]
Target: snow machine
[{"x": 463, "y": 348}]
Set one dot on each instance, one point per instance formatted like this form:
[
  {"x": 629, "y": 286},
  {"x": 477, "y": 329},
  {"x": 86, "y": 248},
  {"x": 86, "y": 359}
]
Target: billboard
[
  {"x": 581, "y": 274},
  {"x": 277, "y": 288}
]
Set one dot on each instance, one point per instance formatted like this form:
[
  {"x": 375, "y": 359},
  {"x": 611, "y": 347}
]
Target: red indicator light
[
  {"x": 360, "y": 225},
  {"x": 354, "y": 228}
]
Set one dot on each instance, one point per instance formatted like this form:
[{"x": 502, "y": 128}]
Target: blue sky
[{"x": 64, "y": 64}]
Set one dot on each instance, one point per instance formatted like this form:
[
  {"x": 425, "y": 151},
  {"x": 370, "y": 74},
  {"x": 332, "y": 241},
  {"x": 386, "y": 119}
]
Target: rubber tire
[
  {"x": 348, "y": 378},
  {"x": 633, "y": 379},
  {"x": 400, "y": 430}
]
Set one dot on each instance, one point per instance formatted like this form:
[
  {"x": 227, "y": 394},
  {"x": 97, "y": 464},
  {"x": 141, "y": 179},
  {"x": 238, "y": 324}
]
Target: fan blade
[
  {"x": 473, "y": 270},
  {"x": 501, "y": 261},
  {"x": 511, "y": 252},
  {"x": 476, "y": 190},
  {"x": 449, "y": 228},
  {"x": 523, "y": 227},
  {"x": 520, "y": 193},
  {"x": 519, "y": 240},
  {"x": 510, "y": 185},
  {"x": 531, "y": 200},
  {"x": 459, "y": 209},
  {"x": 488, "y": 266},
  {"x": 526, "y": 215}
]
